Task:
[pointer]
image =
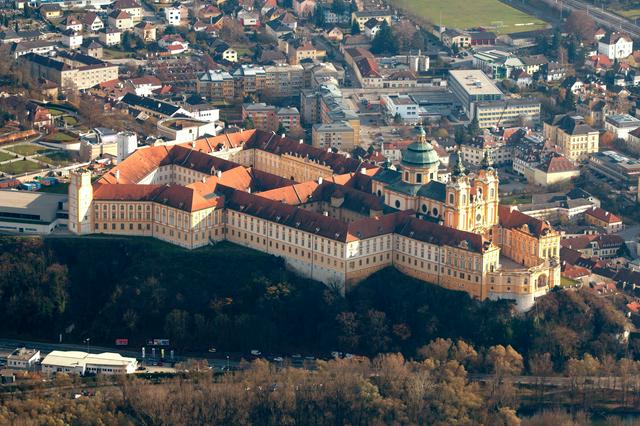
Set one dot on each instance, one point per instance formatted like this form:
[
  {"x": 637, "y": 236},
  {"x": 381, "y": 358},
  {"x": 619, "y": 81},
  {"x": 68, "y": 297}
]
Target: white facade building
[
  {"x": 76, "y": 362},
  {"x": 616, "y": 46}
]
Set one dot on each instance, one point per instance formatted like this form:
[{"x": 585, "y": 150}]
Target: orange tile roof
[{"x": 603, "y": 215}]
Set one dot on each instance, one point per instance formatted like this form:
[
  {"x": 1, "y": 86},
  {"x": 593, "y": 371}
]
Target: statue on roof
[
  {"x": 487, "y": 161},
  {"x": 458, "y": 167}
]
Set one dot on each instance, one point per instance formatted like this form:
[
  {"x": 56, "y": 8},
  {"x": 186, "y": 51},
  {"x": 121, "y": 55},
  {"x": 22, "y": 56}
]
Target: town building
[
  {"x": 23, "y": 359},
  {"x": 28, "y": 212},
  {"x": 131, "y": 7},
  {"x": 618, "y": 168},
  {"x": 615, "y": 45},
  {"x": 621, "y": 125},
  {"x": 70, "y": 71},
  {"x": 507, "y": 113},
  {"x": 339, "y": 135},
  {"x": 472, "y": 86},
  {"x": 603, "y": 219},
  {"x": 575, "y": 138},
  {"x": 361, "y": 17}
]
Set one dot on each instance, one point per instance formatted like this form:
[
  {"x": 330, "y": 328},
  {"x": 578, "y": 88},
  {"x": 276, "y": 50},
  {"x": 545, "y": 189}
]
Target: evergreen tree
[
  {"x": 454, "y": 48},
  {"x": 355, "y": 28},
  {"x": 569, "y": 103},
  {"x": 460, "y": 136},
  {"x": 474, "y": 128},
  {"x": 318, "y": 16},
  {"x": 281, "y": 129},
  {"x": 384, "y": 41}
]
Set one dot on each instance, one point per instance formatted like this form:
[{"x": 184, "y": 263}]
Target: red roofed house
[
  {"x": 556, "y": 169},
  {"x": 603, "y": 219}
]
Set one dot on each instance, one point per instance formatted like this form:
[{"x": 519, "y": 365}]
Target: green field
[
  {"x": 5, "y": 156},
  {"x": 27, "y": 149},
  {"x": 57, "y": 158},
  {"x": 58, "y": 137},
  {"x": 462, "y": 14},
  {"x": 629, "y": 13},
  {"x": 18, "y": 167}
]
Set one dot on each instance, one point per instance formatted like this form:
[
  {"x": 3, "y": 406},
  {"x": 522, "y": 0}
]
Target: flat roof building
[
  {"x": 32, "y": 212},
  {"x": 471, "y": 86},
  {"x": 621, "y": 169},
  {"x": 76, "y": 362}
]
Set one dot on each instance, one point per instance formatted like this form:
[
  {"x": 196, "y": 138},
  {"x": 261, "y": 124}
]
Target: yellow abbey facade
[{"x": 331, "y": 218}]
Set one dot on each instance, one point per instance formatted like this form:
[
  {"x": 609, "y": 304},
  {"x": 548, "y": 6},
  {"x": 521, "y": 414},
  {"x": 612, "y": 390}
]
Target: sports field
[{"x": 492, "y": 15}]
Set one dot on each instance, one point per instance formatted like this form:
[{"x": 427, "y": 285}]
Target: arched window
[
  {"x": 379, "y": 193},
  {"x": 406, "y": 176},
  {"x": 451, "y": 198}
]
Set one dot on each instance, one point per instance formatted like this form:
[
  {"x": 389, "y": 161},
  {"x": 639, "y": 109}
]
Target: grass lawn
[
  {"x": 56, "y": 112},
  {"x": 115, "y": 54},
  {"x": 57, "y": 158},
  {"x": 568, "y": 282},
  {"x": 5, "y": 156},
  {"x": 629, "y": 13},
  {"x": 61, "y": 188},
  {"x": 517, "y": 199},
  {"x": 58, "y": 137},
  {"x": 462, "y": 14},
  {"x": 70, "y": 121},
  {"x": 18, "y": 167},
  {"x": 26, "y": 149}
]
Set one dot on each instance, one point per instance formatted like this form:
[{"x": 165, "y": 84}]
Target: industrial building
[
  {"x": 76, "y": 362},
  {"x": 32, "y": 212}
]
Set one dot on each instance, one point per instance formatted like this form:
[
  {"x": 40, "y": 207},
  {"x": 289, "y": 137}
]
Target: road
[{"x": 602, "y": 17}]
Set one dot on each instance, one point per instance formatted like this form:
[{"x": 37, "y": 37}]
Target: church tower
[
  {"x": 419, "y": 161},
  {"x": 80, "y": 200},
  {"x": 486, "y": 186},
  {"x": 458, "y": 198}
]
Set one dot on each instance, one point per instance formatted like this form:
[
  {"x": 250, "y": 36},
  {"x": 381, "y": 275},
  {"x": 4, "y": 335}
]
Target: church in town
[{"x": 331, "y": 218}]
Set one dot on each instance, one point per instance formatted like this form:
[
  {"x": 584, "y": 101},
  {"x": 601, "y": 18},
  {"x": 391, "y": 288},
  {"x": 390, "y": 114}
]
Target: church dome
[{"x": 420, "y": 154}]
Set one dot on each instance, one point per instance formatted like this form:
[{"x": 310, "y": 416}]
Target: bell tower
[{"x": 80, "y": 201}]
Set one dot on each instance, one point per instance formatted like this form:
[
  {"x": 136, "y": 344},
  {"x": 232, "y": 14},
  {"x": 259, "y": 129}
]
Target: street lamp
[
  {"x": 227, "y": 362},
  {"x": 87, "y": 340}
]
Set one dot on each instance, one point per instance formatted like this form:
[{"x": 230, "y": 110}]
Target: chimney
[
  {"x": 320, "y": 181},
  {"x": 218, "y": 174},
  {"x": 301, "y": 141},
  {"x": 193, "y": 144},
  {"x": 363, "y": 171},
  {"x": 282, "y": 136},
  {"x": 325, "y": 213},
  {"x": 117, "y": 176}
]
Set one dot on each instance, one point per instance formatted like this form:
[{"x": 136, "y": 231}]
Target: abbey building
[{"x": 331, "y": 218}]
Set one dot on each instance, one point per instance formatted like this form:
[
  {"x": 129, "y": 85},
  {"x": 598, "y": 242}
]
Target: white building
[
  {"x": 173, "y": 16},
  {"x": 23, "y": 359},
  {"x": 76, "y": 362},
  {"x": 401, "y": 106},
  {"x": 621, "y": 125},
  {"x": 615, "y": 45},
  {"x": 71, "y": 39},
  {"x": 28, "y": 212},
  {"x": 182, "y": 130},
  {"x": 127, "y": 144}
]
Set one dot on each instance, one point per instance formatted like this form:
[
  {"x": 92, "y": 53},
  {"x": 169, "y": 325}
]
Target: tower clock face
[{"x": 478, "y": 217}]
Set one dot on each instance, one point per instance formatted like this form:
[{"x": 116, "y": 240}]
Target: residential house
[
  {"x": 371, "y": 27},
  {"x": 110, "y": 36},
  {"x": 534, "y": 63},
  {"x": 121, "y": 20},
  {"x": 145, "y": 85},
  {"x": 615, "y": 45},
  {"x": 132, "y": 7},
  {"x": 555, "y": 71},
  {"x": 146, "y": 31},
  {"x": 334, "y": 34},
  {"x": 177, "y": 15},
  {"x": 71, "y": 39},
  {"x": 92, "y": 22},
  {"x": 482, "y": 38},
  {"x": 248, "y": 18},
  {"x": 361, "y": 17},
  {"x": 50, "y": 11},
  {"x": 608, "y": 221},
  {"x": 604, "y": 246},
  {"x": 71, "y": 23},
  {"x": 451, "y": 37}
]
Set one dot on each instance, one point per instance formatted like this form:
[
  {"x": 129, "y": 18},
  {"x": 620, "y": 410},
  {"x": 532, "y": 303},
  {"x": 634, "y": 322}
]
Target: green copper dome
[{"x": 420, "y": 154}]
